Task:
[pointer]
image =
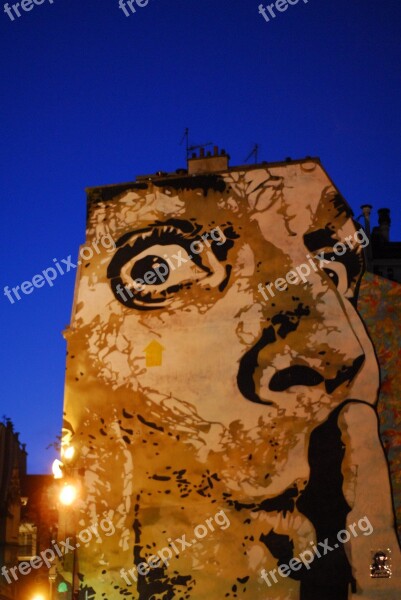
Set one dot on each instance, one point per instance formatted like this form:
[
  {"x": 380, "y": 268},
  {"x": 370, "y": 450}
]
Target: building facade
[
  {"x": 12, "y": 472},
  {"x": 221, "y": 393},
  {"x": 28, "y": 522},
  {"x": 383, "y": 255}
]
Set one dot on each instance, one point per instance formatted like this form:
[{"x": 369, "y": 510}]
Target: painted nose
[{"x": 250, "y": 368}]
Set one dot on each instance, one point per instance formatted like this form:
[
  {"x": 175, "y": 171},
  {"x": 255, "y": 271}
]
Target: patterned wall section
[{"x": 380, "y": 308}]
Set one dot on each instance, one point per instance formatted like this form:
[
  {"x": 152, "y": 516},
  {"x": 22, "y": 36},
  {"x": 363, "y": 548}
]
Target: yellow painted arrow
[{"x": 153, "y": 353}]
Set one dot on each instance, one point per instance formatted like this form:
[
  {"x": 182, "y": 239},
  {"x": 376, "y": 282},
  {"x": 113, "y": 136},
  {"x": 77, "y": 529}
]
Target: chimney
[
  {"x": 384, "y": 223},
  {"x": 366, "y": 210},
  {"x": 211, "y": 163}
]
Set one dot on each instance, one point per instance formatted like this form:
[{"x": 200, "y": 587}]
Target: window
[{"x": 27, "y": 541}]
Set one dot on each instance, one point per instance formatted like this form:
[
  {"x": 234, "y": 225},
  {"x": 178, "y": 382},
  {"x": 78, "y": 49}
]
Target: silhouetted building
[
  {"x": 12, "y": 472},
  {"x": 383, "y": 256},
  {"x": 38, "y": 527},
  {"x": 28, "y": 520}
]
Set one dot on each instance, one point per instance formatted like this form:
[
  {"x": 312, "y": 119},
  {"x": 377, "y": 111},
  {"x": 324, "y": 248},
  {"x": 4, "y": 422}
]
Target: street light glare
[
  {"x": 68, "y": 494},
  {"x": 57, "y": 469},
  {"x": 69, "y": 452},
  {"x": 38, "y": 597}
]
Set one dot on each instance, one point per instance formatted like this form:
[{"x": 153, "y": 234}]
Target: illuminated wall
[{"x": 224, "y": 409}]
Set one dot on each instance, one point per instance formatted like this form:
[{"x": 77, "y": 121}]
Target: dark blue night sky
[{"x": 91, "y": 96}]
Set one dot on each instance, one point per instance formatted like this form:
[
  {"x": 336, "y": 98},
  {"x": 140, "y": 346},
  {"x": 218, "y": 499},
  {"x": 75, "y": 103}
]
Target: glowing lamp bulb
[
  {"x": 57, "y": 469},
  {"x": 68, "y": 494},
  {"x": 69, "y": 452}
]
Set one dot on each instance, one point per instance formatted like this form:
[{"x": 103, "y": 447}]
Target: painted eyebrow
[
  {"x": 183, "y": 225},
  {"x": 319, "y": 239},
  {"x": 351, "y": 259}
]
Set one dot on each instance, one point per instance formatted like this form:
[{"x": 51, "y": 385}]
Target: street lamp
[
  {"x": 68, "y": 494},
  {"x": 68, "y": 453},
  {"x": 57, "y": 468},
  {"x": 52, "y": 578}
]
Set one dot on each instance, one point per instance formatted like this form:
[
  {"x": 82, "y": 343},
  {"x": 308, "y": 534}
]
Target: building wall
[
  {"x": 224, "y": 426},
  {"x": 12, "y": 471},
  {"x": 390, "y": 269},
  {"x": 38, "y": 528},
  {"x": 380, "y": 307}
]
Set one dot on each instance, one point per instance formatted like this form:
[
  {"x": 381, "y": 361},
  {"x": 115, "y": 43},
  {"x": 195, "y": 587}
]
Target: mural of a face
[{"x": 197, "y": 383}]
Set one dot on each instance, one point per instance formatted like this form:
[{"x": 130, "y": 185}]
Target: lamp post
[
  {"x": 52, "y": 579},
  {"x": 68, "y": 495}
]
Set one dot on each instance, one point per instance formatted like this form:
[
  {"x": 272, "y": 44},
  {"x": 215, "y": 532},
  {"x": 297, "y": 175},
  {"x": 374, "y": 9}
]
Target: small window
[{"x": 27, "y": 541}]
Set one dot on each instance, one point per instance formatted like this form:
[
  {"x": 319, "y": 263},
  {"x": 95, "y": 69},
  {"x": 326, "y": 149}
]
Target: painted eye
[
  {"x": 154, "y": 276},
  {"x": 337, "y": 272},
  {"x": 151, "y": 266},
  {"x": 157, "y": 268}
]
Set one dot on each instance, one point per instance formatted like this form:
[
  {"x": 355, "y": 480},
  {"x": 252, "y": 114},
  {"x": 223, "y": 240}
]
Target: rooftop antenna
[
  {"x": 186, "y": 137},
  {"x": 253, "y": 152},
  {"x": 192, "y": 148}
]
